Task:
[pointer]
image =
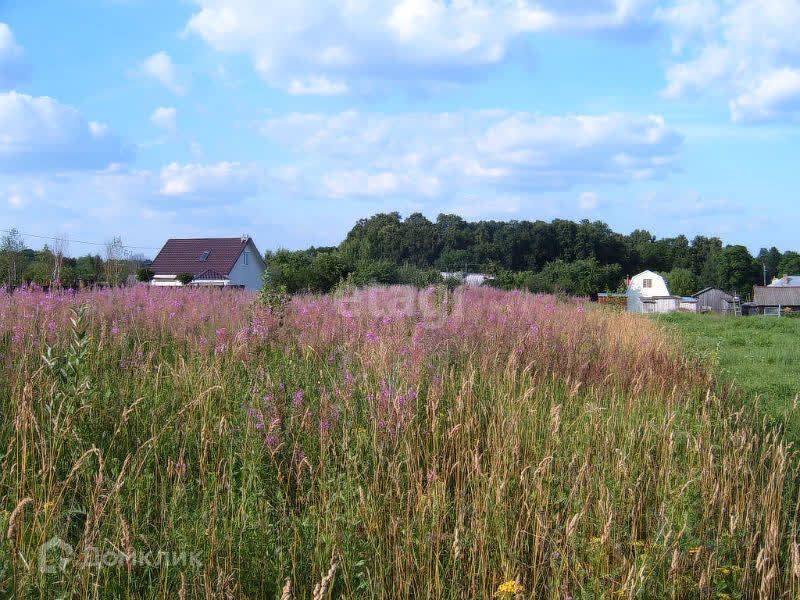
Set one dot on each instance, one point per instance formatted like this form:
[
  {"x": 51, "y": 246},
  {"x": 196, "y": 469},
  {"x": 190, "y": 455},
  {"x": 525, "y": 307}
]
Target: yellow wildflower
[{"x": 509, "y": 587}]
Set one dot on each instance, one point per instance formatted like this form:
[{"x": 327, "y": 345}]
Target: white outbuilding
[{"x": 648, "y": 293}]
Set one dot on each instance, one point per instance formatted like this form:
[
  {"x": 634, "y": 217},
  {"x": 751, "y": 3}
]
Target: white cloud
[
  {"x": 326, "y": 46},
  {"x": 745, "y": 51},
  {"x": 445, "y": 154},
  {"x": 354, "y": 184},
  {"x": 700, "y": 75},
  {"x": 776, "y": 96},
  {"x": 214, "y": 182},
  {"x": 39, "y": 133},
  {"x": 121, "y": 201},
  {"x": 588, "y": 201},
  {"x": 20, "y": 195},
  {"x": 165, "y": 118},
  {"x": 204, "y": 200},
  {"x": 317, "y": 86},
  {"x": 691, "y": 21},
  {"x": 688, "y": 205},
  {"x": 159, "y": 66},
  {"x": 13, "y": 67}
]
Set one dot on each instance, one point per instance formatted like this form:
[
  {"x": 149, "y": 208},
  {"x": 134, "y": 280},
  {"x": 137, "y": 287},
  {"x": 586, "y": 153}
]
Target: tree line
[
  {"x": 579, "y": 258},
  {"x": 20, "y": 265}
]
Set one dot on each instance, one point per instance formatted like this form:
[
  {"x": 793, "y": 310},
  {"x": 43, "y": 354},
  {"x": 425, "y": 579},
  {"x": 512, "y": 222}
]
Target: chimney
[{"x": 245, "y": 237}]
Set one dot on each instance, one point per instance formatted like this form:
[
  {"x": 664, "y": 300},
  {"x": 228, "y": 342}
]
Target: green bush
[{"x": 419, "y": 277}]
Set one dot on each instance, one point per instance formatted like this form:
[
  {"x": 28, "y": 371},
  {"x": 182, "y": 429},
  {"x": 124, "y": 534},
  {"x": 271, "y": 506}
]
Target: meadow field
[
  {"x": 757, "y": 357},
  {"x": 383, "y": 443}
]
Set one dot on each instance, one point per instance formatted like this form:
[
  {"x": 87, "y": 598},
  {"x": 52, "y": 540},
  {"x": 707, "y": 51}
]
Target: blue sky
[{"x": 153, "y": 119}]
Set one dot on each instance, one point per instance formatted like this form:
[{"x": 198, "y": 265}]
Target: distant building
[
  {"x": 648, "y": 293},
  {"x": 717, "y": 301},
  {"x": 668, "y": 304},
  {"x": 776, "y": 300},
  {"x": 469, "y": 279},
  {"x": 786, "y": 281},
  {"x": 217, "y": 262}
]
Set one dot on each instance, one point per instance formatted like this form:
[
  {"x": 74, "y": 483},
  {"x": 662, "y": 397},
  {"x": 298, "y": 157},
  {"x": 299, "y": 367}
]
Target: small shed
[
  {"x": 715, "y": 300},
  {"x": 668, "y": 304}
]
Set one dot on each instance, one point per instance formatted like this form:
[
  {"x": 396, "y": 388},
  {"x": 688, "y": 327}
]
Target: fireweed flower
[
  {"x": 257, "y": 417},
  {"x": 298, "y": 458},
  {"x": 297, "y": 399}
]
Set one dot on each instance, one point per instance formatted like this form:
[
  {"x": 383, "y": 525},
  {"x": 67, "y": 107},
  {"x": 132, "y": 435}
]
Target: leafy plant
[{"x": 145, "y": 275}]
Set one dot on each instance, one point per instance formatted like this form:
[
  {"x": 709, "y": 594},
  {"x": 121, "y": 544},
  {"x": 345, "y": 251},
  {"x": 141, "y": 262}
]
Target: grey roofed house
[
  {"x": 786, "y": 281},
  {"x": 768, "y": 300},
  {"x": 715, "y": 300}
]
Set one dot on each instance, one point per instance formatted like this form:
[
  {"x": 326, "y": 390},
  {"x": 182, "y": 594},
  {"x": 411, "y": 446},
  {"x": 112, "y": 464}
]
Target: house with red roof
[{"x": 218, "y": 262}]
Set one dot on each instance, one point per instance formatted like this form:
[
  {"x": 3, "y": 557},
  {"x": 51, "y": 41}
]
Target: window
[
  {"x": 246, "y": 260},
  {"x": 204, "y": 256},
  {"x": 647, "y": 283}
]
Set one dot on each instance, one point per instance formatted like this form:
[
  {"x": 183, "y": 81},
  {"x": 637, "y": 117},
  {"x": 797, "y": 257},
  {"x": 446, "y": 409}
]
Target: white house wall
[
  {"x": 249, "y": 276},
  {"x": 637, "y": 291}
]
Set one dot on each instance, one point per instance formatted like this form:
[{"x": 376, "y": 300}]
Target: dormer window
[
  {"x": 647, "y": 283},
  {"x": 204, "y": 256}
]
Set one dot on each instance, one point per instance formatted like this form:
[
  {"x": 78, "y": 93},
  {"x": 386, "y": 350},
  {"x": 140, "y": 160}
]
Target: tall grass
[{"x": 386, "y": 443}]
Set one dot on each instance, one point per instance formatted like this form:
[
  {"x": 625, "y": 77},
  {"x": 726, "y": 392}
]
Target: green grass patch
[{"x": 757, "y": 356}]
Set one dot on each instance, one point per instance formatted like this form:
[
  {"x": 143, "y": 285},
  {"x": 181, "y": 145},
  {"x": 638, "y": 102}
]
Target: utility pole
[{"x": 765, "y": 274}]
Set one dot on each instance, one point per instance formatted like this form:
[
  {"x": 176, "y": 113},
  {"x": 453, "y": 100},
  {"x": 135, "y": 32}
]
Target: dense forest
[{"x": 577, "y": 258}]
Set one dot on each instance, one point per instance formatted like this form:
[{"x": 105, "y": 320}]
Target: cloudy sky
[{"x": 289, "y": 120}]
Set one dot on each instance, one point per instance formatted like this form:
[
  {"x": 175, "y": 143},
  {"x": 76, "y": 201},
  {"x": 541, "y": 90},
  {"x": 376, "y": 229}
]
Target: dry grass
[{"x": 385, "y": 444}]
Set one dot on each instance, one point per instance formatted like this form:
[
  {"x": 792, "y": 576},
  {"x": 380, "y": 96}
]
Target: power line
[{"x": 71, "y": 241}]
